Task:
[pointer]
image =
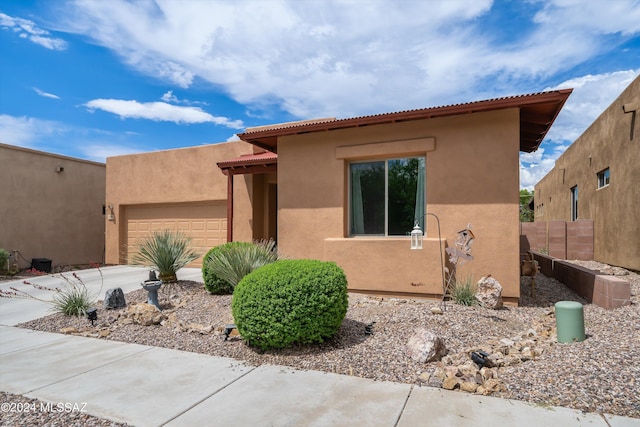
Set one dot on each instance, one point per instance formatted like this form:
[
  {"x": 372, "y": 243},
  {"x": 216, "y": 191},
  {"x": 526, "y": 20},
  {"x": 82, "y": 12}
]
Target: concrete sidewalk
[{"x": 152, "y": 386}]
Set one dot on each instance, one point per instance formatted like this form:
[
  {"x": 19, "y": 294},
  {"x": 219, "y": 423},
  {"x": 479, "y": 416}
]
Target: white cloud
[
  {"x": 534, "y": 166},
  {"x": 592, "y": 94},
  {"x": 160, "y": 111},
  {"x": 170, "y": 97},
  {"x": 341, "y": 59},
  {"x": 29, "y": 30},
  {"x": 55, "y": 137},
  {"x": 98, "y": 152},
  {"x": 27, "y": 131},
  {"x": 45, "y": 94}
]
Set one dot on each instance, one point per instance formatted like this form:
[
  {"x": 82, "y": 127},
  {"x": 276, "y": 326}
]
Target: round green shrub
[
  {"x": 212, "y": 283},
  {"x": 290, "y": 301}
]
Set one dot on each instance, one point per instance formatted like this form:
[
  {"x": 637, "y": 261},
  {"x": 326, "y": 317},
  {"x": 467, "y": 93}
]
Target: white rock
[
  {"x": 489, "y": 293},
  {"x": 424, "y": 346}
]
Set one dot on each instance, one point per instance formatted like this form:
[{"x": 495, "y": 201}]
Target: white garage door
[{"x": 206, "y": 224}]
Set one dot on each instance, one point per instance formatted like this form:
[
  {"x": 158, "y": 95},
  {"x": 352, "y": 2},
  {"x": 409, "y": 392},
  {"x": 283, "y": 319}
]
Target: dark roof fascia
[{"x": 551, "y": 102}]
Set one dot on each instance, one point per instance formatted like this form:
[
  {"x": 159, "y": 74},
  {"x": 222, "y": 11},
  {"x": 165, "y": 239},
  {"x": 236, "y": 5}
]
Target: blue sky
[{"x": 92, "y": 79}]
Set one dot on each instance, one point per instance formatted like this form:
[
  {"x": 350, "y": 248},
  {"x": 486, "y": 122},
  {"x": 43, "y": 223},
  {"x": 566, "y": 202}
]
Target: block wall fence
[{"x": 560, "y": 239}]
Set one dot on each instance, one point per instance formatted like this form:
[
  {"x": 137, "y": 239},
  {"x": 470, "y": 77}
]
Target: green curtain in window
[
  {"x": 357, "y": 210},
  {"x": 420, "y": 194}
]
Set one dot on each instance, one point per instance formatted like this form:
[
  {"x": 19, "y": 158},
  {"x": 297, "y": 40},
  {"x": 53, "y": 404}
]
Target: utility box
[
  {"x": 569, "y": 321},
  {"x": 41, "y": 264}
]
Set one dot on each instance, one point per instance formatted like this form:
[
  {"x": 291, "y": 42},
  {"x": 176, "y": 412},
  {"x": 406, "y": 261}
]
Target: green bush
[
  {"x": 166, "y": 250},
  {"x": 226, "y": 265},
  {"x": 4, "y": 257},
  {"x": 290, "y": 301},
  {"x": 464, "y": 292}
]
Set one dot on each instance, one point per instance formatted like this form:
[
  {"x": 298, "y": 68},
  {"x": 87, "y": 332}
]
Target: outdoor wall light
[
  {"x": 111, "y": 216},
  {"x": 59, "y": 169},
  {"x": 416, "y": 243},
  {"x": 92, "y": 314}
]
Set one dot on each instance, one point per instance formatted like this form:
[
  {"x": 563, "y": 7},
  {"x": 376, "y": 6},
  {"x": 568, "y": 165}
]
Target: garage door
[{"x": 205, "y": 224}]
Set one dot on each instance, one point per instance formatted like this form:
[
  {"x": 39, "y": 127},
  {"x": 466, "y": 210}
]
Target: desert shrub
[
  {"x": 167, "y": 251},
  {"x": 212, "y": 283},
  {"x": 463, "y": 292},
  {"x": 73, "y": 298},
  {"x": 224, "y": 266},
  {"x": 4, "y": 257},
  {"x": 73, "y": 301},
  {"x": 290, "y": 301}
]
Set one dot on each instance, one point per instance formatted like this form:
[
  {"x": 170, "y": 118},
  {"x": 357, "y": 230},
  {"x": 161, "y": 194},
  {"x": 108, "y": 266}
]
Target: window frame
[
  {"x": 386, "y": 161},
  {"x": 604, "y": 175},
  {"x": 574, "y": 203}
]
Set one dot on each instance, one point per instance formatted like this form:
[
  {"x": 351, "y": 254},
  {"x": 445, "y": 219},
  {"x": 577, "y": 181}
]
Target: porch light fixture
[
  {"x": 416, "y": 244},
  {"x": 111, "y": 216},
  {"x": 416, "y": 237}
]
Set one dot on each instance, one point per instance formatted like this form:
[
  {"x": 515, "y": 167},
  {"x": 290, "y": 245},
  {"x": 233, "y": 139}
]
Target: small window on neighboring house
[
  {"x": 574, "y": 203},
  {"x": 387, "y": 197},
  {"x": 603, "y": 178}
]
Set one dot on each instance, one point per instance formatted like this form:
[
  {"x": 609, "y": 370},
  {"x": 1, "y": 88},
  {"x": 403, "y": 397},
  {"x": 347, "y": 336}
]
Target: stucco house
[
  {"x": 597, "y": 181},
  {"x": 51, "y": 207},
  {"x": 349, "y": 190}
]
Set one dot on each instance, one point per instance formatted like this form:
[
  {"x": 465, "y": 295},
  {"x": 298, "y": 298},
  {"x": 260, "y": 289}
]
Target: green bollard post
[{"x": 569, "y": 321}]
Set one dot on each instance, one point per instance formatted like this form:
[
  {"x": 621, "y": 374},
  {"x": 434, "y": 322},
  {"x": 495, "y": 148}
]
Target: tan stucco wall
[
  {"x": 472, "y": 177},
  {"x": 614, "y": 209},
  {"x": 49, "y": 214},
  {"x": 187, "y": 175}
]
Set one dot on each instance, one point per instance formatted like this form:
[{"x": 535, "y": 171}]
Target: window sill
[{"x": 379, "y": 238}]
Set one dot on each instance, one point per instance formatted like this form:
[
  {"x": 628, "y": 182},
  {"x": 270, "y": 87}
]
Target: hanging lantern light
[{"x": 416, "y": 237}]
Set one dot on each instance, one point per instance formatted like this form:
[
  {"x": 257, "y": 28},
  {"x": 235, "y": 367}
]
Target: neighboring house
[
  {"x": 598, "y": 178},
  {"x": 350, "y": 190},
  {"x": 51, "y": 207}
]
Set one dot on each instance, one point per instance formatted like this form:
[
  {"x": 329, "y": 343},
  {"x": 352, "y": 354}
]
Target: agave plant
[
  {"x": 232, "y": 261},
  {"x": 166, "y": 250}
]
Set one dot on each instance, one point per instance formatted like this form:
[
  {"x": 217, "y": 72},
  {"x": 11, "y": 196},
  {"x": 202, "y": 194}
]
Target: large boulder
[
  {"x": 145, "y": 314},
  {"x": 425, "y": 346},
  {"x": 489, "y": 293}
]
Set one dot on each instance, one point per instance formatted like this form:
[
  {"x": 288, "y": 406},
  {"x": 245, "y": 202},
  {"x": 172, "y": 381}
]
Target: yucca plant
[
  {"x": 73, "y": 298},
  {"x": 232, "y": 261},
  {"x": 167, "y": 251},
  {"x": 464, "y": 292}
]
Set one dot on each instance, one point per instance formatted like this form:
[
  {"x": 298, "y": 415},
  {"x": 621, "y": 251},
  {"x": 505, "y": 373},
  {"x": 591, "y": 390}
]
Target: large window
[
  {"x": 387, "y": 197},
  {"x": 574, "y": 203}
]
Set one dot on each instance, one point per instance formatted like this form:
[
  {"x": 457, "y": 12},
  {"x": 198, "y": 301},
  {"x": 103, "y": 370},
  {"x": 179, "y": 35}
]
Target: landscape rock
[
  {"x": 450, "y": 383},
  {"x": 489, "y": 293},
  {"x": 425, "y": 346},
  {"x": 201, "y": 329},
  {"x": 69, "y": 330},
  {"x": 145, "y": 314},
  {"x": 114, "y": 298},
  {"x": 469, "y": 387}
]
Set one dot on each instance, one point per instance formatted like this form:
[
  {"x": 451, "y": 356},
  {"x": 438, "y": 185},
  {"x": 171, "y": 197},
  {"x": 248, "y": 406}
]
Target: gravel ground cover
[
  {"x": 23, "y": 411},
  {"x": 600, "y": 374}
]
